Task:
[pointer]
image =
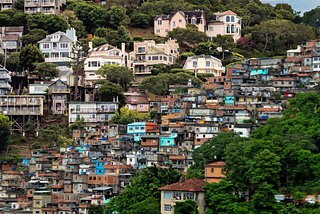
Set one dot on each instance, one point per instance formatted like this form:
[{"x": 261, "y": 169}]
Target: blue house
[
  {"x": 57, "y": 47},
  {"x": 168, "y": 140},
  {"x": 136, "y": 129},
  {"x": 99, "y": 168}
]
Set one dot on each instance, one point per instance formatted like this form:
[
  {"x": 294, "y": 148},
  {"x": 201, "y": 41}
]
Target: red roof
[
  {"x": 267, "y": 109},
  {"x": 177, "y": 157},
  {"x": 284, "y": 78},
  {"x": 228, "y": 12},
  {"x": 189, "y": 185},
  {"x": 219, "y": 163}
]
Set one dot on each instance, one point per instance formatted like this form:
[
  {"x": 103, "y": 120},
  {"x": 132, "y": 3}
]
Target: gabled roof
[
  {"x": 187, "y": 15},
  {"x": 154, "y": 50},
  {"x": 10, "y": 37},
  {"x": 219, "y": 163},
  {"x": 63, "y": 37},
  {"x": 189, "y": 185},
  {"x": 228, "y": 12},
  {"x": 105, "y": 47},
  {"x": 58, "y": 80}
]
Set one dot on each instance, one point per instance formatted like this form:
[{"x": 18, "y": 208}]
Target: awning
[{"x": 102, "y": 188}]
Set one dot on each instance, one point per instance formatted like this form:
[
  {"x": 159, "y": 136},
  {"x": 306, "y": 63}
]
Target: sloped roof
[
  {"x": 228, "y": 12},
  {"x": 154, "y": 50},
  {"x": 177, "y": 157},
  {"x": 63, "y": 37},
  {"x": 189, "y": 185},
  {"x": 267, "y": 109},
  {"x": 58, "y": 80},
  {"x": 219, "y": 163},
  {"x": 10, "y": 37}
]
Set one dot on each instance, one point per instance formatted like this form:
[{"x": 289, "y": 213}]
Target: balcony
[
  {"x": 51, "y": 3},
  {"x": 21, "y": 112},
  {"x": 5, "y": 85},
  {"x": 6, "y": 1},
  {"x": 92, "y": 110},
  {"x": 57, "y": 59},
  {"x": 61, "y": 91},
  {"x": 31, "y": 4}
]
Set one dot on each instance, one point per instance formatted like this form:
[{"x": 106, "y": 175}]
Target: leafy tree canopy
[
  {"x": 29, "y": 55},
  {"x": 108, "y": 91}
]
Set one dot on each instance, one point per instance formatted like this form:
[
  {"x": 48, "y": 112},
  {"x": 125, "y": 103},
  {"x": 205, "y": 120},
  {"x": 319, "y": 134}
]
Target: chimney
[
  {"x": 90, "y": 46},
  {"x": 117, "y": 99},
  {"x": 182, "y": 179},
  {"x": 3, "y": 31},
  {"x": 123, "y": 50},
  {"x": 114, "y": 99}
]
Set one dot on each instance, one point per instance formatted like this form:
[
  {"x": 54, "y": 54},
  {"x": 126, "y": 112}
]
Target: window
[
  {"x": 210, "y": 28},
  {"x": 217, "y": 18},
  {"x": 155, "y": 58},
  {"x": 180, "y": 20},
  {"x": 232, "y": 18},
  {"x": 289, "y": 83},
  {"x": 45, "y": 46},
  {"x": 207, "y": 71},
  {"x": 276, "y": 83},
  {"x": 282, "y": 82},
  {"x": 166, "y": 208},
  {"x": 228, "y": 29},
  {"x": 141, "y": 49},
  {"x": 212, "y": 170},
  {"x": 37, "y": 202},
  {"x": 159, "y": 22},
  {"x": 222, "y": 170},
  {"x": 141, "y": 57},
  {"x": 232, "y": 29},
  {"x": 37, "y": 211},
  {"x": 315, "y": 66},
  {"x": 167, "y": 195},
  {"x": 174, "y": 24},
  {"x": 193, "y": 21},
  {"x": 158, "y": 30},
  {"x": 208, "y": 63},
  {"x": 194, "y": 63},
  {"x": 63, "y": 45},
  {"x": 166, "y": 30},
  {"x": 228, "y": 19}
]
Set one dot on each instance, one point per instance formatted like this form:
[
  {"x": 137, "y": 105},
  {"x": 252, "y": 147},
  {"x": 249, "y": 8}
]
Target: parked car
[
  {"x": 310, "y": 200},
  {"x": 279, "y": 198},
  {"x": 288, "y": 200}
]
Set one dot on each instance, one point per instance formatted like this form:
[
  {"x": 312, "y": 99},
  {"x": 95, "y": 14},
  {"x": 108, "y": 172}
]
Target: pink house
[{"x": 165, "y": 23}]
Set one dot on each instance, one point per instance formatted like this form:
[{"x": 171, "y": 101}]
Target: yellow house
[{"x": 204, "y": 64}]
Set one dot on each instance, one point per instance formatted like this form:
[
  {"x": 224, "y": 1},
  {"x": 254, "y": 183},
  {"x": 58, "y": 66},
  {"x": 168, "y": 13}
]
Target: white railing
[{"x": 57, "y": 59}]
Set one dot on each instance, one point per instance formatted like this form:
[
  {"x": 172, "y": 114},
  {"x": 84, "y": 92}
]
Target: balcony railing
[
  {"x": 5, "y": 1},
  {"x": 57, "y": 59},
  {"x": 92, "y": 110},
  {"x": 5, "y": 85}
]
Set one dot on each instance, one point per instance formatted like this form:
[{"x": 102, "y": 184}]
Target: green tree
[
  {"x": 115, "y": 16},
  {"x": 206, "y": 48},
  {"x": 190, "y": 35},
  {"x": 278, "y": 96},
  {"x": 46, "y": 70},
  {"x": 96, "y": 42},
  {"x": 127, "y": 116},
  {"x": 149, "y": 206},
  {"x": 185, "y": 207},
  {"x": 74, "y": 22},
  {"x": 34, "y": 36},
  {"x": 137, "y": 39},
  {"x": 220, "y": 198},
  {"x": 51, "y": 24},
  {"x": 13, "y": 62},
  {"x": 226, "y": 42},
  {"x": 143, "y": 186},
  {"x": 160, "y": 84},
  {"x": 117, "y": 74},
  {"x": 20, "y": 5},
  {"x": 123, "y": 36},
  {"x": 109, "y": 90},
  {"x": 153, "y": 114},
  {"x": 95, "y": 209},
  {"x": 29, "y": 55},
  {"x": 79, "y": 53},
  {"x": 312, "y": 17},
  {"x": 213, "y": 150},
  {"x": 156, "y": 39},
  {"x": 5, "y": 20},
  {"x": 5, "y": 131},
  {"x": 185, "y": 55},
  {"x": 139, "y": 19},
  {"x": 93, "y": 16}
]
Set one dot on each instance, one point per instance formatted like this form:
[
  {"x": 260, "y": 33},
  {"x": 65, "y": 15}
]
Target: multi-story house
[
  {"x": 7, "y": 4},
  {"x": 204, "y": 64},
  {"x": 92, "y": 112},
  {"x": 140, "y": 128},
  {"x": 59, "y": 92},
  {"x": 5, "y": 78},
  {"x": 21, "y": 108},
  {"x": 57, "y": 47},
  {"x": 185, "y": 189},
  {"x": 165, "y": 23},
  {"x": 103, "y": 55},
  {"x": 137, "y": 101},
  {"x": 48, "y": 7},
  {"x": 213, "y": 172},
  {"x": 226, "y": 23},
  {"x": 9, "y": 38},
  {"x": 148, "y": 53}
]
